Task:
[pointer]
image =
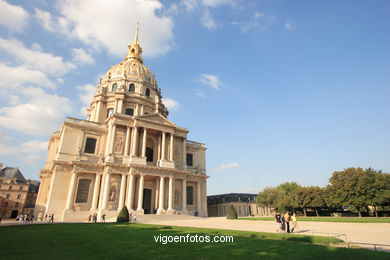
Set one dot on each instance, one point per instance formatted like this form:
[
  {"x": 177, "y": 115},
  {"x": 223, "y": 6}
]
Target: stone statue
[
  {"x": 112, "y": 194},
  {"x": 118, "y": 144}
]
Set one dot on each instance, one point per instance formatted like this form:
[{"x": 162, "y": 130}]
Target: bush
[
  {"x": 232, "y": 213},
  {"x": 123, "y": 216}
]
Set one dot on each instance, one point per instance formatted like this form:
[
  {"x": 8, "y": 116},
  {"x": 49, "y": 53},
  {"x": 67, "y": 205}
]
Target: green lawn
[
  {"x": 136, "y": 241},
  {"x": 330, "y": 219}
]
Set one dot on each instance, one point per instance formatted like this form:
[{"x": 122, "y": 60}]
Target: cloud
[
  {"x": 289, "y": 26},
  {"x": 189, "y": 5},
  {"x": 40, "y": 113},
  {"x": 211, "y": 80},
  {"x": 200, "y": 94},
  {"x": 80, "y": 56},
  {"x": 84, "y": 20},
  {"x": 227, "y": 166},
  {"x": 34, "y": 58},
  {"x": 170, "y": 103},
  {"x": 13, "y": 17},
  {"x": 257, "y": 15},
  {"x": 86, "y": 93},
  {"x": 216, "y": 3},
  {"x": 207, "y": 20}
]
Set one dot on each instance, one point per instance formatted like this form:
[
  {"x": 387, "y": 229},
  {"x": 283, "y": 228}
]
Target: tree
[
  {"x": 310, "y": 197},
  {"x": 267, "y": 198},
  {"x": 286, "y": 196},
  {"x": 232, "y": 213},
  {"x": 123, "y": 215}
]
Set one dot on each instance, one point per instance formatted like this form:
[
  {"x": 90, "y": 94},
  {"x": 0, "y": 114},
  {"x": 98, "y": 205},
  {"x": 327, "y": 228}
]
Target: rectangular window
[
  {"x": 16, "y": 204},
  {"x": 190, "y": 195},
  {"x": 190, "y": 159},
  {"x": 129, "y": 111},
  {"x": 8, "y": 195},
  {"x": 10, "y": 188},
  {"x": 82, "y": 191},
  {"x": 19, "y": 195},
  {"x": 90, "y": 145},
  {"x": 21, "y": 188},
  {"x": 110, "y": 111}
]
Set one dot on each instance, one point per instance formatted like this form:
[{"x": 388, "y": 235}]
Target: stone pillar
[
  {"x": 134, "y": 142},
  {"x": 130, "y": 193},
  {"x": 163, "y": 147},
  {"x": 144, "y": 136},
  {"x": 106, "y": 191},
  {"x": 171, "y": 148},
  {"x": 127, "y": 142},
  {"x": 122, "y": 192},
  {"x": 184, "y": 153},
  {"x": 108, "y": 141},
  {"x": 161, "y": 196},
  {"x": 170, "y": 194},
  {"x": 156, "y": 194},
  {"x": 72, "y": 186},
  {"x": 98, "y": 112},
  {"x": 184, "y": 197},
  {"x": 142, "y": 110},
  {"x": 101, "y": 192},
  {"x": 112, "y": 139},
  {"x": 140, "y": 194},
  {"x": 199, "y": 199},
  {"x": 120, "y": 106},
  {"x": 95, "y": 192}
]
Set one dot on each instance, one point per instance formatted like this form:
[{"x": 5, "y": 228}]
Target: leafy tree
[
  {"x": 286, "y": 196},
  {"x": 267, "y": 198},
  {"x": 123, "y": 215},
  {"x": 232, "y": 213},
  {"x": 310, "y": 197}
]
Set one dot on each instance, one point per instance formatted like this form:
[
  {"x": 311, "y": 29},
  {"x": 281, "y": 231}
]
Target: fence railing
[{"x": 376, "y": 247}]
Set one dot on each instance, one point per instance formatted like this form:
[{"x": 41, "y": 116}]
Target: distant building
[
  {"x": 245, "y": 205},
  {"x": 17, "y": 195}
]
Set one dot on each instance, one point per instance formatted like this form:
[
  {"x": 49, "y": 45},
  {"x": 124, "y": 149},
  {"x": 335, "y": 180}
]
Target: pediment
[{"x": 157, "y": 118}]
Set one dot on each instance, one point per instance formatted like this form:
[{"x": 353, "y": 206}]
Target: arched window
[
  {"x": 147, "y": 92},
  {"x": 131, "y": 87},
  {"x": 114, "y": 87}
]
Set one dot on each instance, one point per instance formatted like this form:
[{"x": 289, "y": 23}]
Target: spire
[{"x": 135, "y": 51}]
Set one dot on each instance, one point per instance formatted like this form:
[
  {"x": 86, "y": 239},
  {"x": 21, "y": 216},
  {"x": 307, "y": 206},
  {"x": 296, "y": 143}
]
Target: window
[
  {"x": 6, "y": 204},
  {"x": 129, "y": 111},
  {"x": 149, "y": 154},
  {"x": 10, "y": 188},
  {"x": 16, "y": 204},
  {"x": 8, "y": 195},
  {"x": 190, "y": 195},
  {"x": 12, "y": 182},
  {"x": 190, "y": 159},
  {"x": 90, "y": 145},
  {"x": 114, "y": 87},
  {"x": 147, "y": 92},
  {"x": 19, "y": 195},
  {"x": 110, "y": 111},
  {"x": 21, "y": 188},
  {"x": 82, "y": 191},
  {"x": 131, "y": 87}
]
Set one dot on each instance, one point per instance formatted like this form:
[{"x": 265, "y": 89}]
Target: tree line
[{"x": 354, "y": 189}]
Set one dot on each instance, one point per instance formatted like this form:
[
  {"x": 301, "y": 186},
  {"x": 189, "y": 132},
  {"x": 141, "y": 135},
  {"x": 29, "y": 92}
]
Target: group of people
[
  {"x": 285, "y": 223},
  {"x": 25, "y": 218},
  {"x": 93, "y": 218}
]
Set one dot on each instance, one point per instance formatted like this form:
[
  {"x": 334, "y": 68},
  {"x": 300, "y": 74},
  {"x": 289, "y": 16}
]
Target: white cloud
[
  {"x": 216, "y": 3},
  {"x": 189, "y": 5},
  {"x": 80, "y": 56},
  {"x": 35, "y": 59},
  {"x": 207, "y": 20},
  {"x": 211, "y": 80},
  {"x": 200, "y": 94},
  {"x": 170, "y": 103},
  {"x": 13, "y": 17},
  {"x": 289, "y": 26},
  {"x": 257, "y": 15},
  {"x": 109, "y": 24},
  {"x": 227, "y": 166},
  {"x": 86, "y": 93},
  {"x": 40, "y": 113}
]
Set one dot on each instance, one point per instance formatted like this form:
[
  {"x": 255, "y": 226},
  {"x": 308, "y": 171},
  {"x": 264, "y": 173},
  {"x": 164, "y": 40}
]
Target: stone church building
[{"x": 127, "y": 153}]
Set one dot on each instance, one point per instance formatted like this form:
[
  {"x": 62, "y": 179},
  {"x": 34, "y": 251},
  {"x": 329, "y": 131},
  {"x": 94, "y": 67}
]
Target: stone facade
[
  {"x": 127, "y": 153},
  {"x": 17, "y": 194},
  {"x": 245, "y": 205}
]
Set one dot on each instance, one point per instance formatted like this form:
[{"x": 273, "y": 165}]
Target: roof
[
  {"x": 231, "y": 197},
  {"x": 12, "y": 172}
]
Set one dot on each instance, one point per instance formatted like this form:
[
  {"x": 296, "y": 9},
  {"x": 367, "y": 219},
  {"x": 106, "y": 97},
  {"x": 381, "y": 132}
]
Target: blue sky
[{"x": 277, "y": 90}]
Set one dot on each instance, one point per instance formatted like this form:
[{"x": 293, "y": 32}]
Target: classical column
[
  {"x": 101, "y": 192},
  {"x": 170, "y": 194},
  {"x": 140, "y": 193},
  {"x": 106, "y": 190},
  {"x": 184, "y": 152},
  {"x": 134, "y": 142},
  {"x": 69, "y": 200},
  {"x": 198, "y": 199},
  {"x": 127, "y": 142},
  {"x": 144, "y": 136},
  {"x": 120, "y": 105},
  {"x": 116, "y": 106},
  {"x": 163, "y": 147},
  {"x": 122, "y": 192},
  {"x": 95, "y": 192},
  {"x": 108, "y": 141},
  {"x": 142, "y": 110},
  {"x": 171, "y": 148},
  {"x": 112, "y": 139},
  {"x": 97, "y": 113},
  {"x": 156, "y": 194},
  {"x": 130, "y": 192},
  {"x": 184, "y": 196},
  {"x": 161, "y": 196},
  {"x": 159, "y": 148}
]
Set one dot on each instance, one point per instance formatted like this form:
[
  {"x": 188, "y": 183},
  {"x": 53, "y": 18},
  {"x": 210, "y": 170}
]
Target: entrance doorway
[
  {"x": 147, "y": 203},
  {"x": 14, "y": 214}
]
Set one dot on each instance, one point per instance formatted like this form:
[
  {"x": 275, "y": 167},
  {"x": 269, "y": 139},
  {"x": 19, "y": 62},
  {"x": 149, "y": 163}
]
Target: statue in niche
[
  {"x": 113, "y": 192},
  {"x": 118, "y": 145}
]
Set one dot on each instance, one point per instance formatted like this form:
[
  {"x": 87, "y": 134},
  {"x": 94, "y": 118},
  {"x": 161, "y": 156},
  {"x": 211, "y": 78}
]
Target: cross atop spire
[
  {"x": 136, "y": 34},
  {"x": 135, "y": 51}
]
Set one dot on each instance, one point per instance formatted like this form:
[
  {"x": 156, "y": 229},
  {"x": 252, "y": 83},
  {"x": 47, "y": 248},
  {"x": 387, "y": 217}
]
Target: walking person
[
  {"x": 89, "y": 218},
  {"x": 45, "y": 217},
  {"x": 1, "y": 218},
  {"x": 51, "y": 218},
  {"x": 293, "y": 222},
  {"x": 278, "y": 222},
  {"x": 287, "y": 219},
  {"x": 95, "y": 217},
  {"x": 283, "y": 223},
  {"x": 104, "y": 217}
]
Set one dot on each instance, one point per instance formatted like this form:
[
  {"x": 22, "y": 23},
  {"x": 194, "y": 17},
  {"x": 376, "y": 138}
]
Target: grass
[
  {"x": 329, "y": 219},
  {"x": 136, "y": 241}
]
